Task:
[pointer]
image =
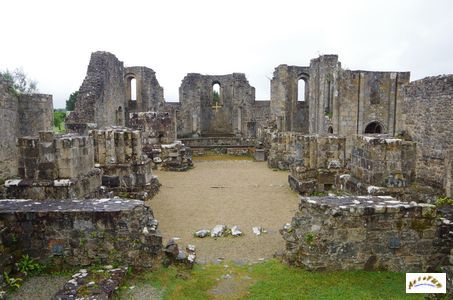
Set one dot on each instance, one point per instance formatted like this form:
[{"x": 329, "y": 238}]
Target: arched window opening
[
  {"x": 373, "y": 128},
  {"x": 301, "y": 90},
  {"x": 216, "y": 94},
  {"x": 330, "y": 130},
  {"x": 133, "y": 89}
]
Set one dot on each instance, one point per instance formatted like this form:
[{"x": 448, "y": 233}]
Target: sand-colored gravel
[{"x": 233, "y": 192}]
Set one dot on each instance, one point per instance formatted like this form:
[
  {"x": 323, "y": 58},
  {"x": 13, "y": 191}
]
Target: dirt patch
[{"x": 243, "y": 193}]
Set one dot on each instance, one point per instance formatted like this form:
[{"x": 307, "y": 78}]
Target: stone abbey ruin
[{"x": 369, "y": 153}]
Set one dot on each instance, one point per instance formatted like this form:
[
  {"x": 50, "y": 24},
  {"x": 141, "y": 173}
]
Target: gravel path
[
  {"x": 39, "y": 287},
  {"x": 243, "y": 193}
]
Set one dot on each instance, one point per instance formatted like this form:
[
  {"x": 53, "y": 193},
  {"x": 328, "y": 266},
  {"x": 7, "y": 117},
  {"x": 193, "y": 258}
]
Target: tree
[
  {"x": 70, "y": 103},
  {"x": 19, "y": 82},
  {"x": 215, "y": 97},
  {"x": 58, "y": 120}
]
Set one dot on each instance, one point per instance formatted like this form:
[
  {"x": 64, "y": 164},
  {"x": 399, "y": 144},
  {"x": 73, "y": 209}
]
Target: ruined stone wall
[
  {"x": 289, "y": 113},
  {"x": 156, "y": 127},
  {"x": 20, "y": 115},
  {"x": 366, "y": 97},
  {"x": 428, "y": 110},
  {"x": 199, "y": 117},
  {"x": 284, "y": 148},
  {"x": 383, "y": 161},
  {"x": 35, "y": 114},
  {"x": 8, "y": 131},
  {"x": 262, "y": 116},
  {"x": 48, "y": 157},
  {"x": 149, "y": 96},
  {"x": 364, "y": 232},
  {"x": 102, "y": 96},
  {"x": 78, "y": 232},
  {"x": 318, "y": 159},
  {"x": 118, "y": 152},
  {"x": 324, "y": 76},
  {"x": 50, "y": 167}
]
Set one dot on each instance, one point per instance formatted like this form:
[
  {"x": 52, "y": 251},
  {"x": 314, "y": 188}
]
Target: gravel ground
[
  {"x": 39, "y": 288},
  {"x": 243, "y": 193}
]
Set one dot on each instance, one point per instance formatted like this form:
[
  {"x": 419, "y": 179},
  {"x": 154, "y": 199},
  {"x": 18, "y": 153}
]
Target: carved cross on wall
[{"x": 216, "y": 106}]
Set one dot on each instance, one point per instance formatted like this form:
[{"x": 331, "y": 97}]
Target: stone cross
[{"x": 216, "y": 106}]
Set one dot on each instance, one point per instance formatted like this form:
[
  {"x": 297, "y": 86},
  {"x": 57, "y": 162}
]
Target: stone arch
[
  {"x": 330, "y": 130},
  {"x": 216, "y": 93},
  {"x": 374, "y": 127},
  {"x": 131, "y": 91},
  {"x": 302, "y": 87}
]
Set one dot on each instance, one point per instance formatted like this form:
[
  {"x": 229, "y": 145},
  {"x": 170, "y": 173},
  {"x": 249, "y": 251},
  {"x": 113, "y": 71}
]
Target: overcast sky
[{"x": 52, "y": 40}]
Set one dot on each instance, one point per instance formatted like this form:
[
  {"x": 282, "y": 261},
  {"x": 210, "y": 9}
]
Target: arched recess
[
  {"x": 302, "y": 87},
  {"x": 374, "y": 128},
  {"x": 131, "y": 87},
  {"x": 216, "y": 94}
]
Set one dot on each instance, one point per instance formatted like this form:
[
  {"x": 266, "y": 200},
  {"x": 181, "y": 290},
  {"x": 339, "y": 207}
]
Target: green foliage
[
  {"x": 270, "y": 280},
  {"x": 58, "y": 120},
  {"x": 12, "y": 282},
  {"x": 29, "y": 266},
  {"x": 318, "y": 194},
  {"x": 19, "y": 82},
  {"x": 309, "y": 238},
  {"x": 444, "y": 201},
  {"x": 215, "y": 97},
  {"x": 70, "y": 103}
]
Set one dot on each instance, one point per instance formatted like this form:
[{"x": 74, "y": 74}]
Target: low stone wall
[
  {"x": 118, "y": 152},
  {"x": 383, "y": 161},
  {"x": 156, "y": 127},
  {"x": 284, "y": 148},
  {"x": 363, "y": 232},
  {"x": 317, "y": 163},
  {"x": 86, "y": 185},
  {"x": 55, "y": 167},
  {"x": 218, "y": 142},
  {"x": 78, "y": 232}
]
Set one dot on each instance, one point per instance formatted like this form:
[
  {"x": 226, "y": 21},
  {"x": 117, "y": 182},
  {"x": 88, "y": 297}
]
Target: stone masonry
[
  {"x": 318, "y": 160},
  {"x": 78, "y": 232},
  {"x": 362, "y": 232},
  {"x": 383, "y": 161},
  {"x": 200, "y": 116},
  {"x": 20, "y": 115},
  {"x": 54, "y": 167},
  {"x": 428, "y": 105},
  {"x": 118, "y": 152}
]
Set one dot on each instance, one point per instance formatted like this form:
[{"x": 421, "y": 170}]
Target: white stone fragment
[
  {"x": 12, "y": 182},
  {"x": 218, "y": 230},
  {"x": 202, "y": 233},
  {"x": 373, "y": 189},
  {"x": 356, "y": 202},
  {"x": 257, "y": 230},
  {"x": 145, "y": 230},
  {"x": 191, "y": 258},
  {"x": 235, "y": 231},
  {"x": 191, "y": 248},
  {"x": 157, "y": 160}
]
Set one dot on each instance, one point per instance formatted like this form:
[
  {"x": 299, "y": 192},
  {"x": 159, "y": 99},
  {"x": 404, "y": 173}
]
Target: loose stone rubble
[{"x": 95, "y": 284}]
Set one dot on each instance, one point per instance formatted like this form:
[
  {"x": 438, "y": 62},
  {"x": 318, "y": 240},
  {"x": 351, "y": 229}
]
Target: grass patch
[{"x": 271, "y": 280}]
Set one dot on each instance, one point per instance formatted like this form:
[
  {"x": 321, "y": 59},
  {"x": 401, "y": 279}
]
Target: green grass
[{"x": 273, "y": 280}]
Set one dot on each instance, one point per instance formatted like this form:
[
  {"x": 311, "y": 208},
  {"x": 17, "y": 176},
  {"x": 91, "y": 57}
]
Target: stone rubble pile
[{"x": 93, "y": 284}]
